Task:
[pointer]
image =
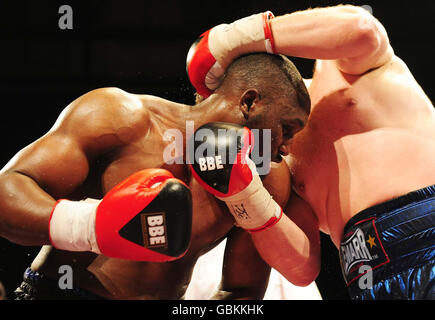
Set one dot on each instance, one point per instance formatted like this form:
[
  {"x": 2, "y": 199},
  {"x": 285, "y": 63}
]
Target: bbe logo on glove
[
  {"x": 146, "y": 217},
  {"x": 220, "y": 151},
  {"x": 237, "y": 181},
  {"x": 210, "y": 163},
  {"x": 154, "y": 229},
  {"x": 159, "y": 223}
]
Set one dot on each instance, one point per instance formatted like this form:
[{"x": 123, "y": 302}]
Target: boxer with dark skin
[{"x": 105, "y": 136}]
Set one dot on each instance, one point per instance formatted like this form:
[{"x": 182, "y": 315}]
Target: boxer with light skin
[
  {"x": 104, "y": 157},
  {"x": 365, "y": 160}
]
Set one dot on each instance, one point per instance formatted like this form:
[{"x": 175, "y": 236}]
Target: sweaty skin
[
  {"x": 370, "y": 136},
  {"x": 99, "y": 140}
]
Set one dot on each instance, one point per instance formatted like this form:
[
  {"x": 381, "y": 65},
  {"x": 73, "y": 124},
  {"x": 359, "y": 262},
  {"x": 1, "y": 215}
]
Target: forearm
[
  {"x": 347, "y": 34},
  {"x": 326, "y": 33},
  {"x": 24, "y": 210},
  {"x": 289, "y": 250}
]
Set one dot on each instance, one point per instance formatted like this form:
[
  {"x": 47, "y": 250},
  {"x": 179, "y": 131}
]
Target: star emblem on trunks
[{"x": 371, "y": 241}]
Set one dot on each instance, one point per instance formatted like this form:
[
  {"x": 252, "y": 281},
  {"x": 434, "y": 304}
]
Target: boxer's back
[{"x": 369, "y": 138}]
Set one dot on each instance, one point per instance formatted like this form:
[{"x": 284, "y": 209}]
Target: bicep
[
  {"x": 48, "y": 169},
  {"x": 56, "y": 162}
]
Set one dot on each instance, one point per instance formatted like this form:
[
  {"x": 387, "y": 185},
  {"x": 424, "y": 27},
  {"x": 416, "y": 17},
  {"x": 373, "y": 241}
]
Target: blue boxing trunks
[{"x": 388, "y": 250}]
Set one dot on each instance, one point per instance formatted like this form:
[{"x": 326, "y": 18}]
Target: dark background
[{"x": 141, "y": 47}]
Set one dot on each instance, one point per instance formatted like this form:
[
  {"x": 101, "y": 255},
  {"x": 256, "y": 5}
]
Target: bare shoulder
[
  {"x": 105, "y": 114},
  {"x": 278, "y": 182},
  {"x": 396, "y": 64},
  {"x": 393, "y": 80},
  {"x": 110, "y": 107}
]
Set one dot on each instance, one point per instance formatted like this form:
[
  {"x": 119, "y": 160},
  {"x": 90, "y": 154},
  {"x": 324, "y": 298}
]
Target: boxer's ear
[{"x": 248, "y": 102}]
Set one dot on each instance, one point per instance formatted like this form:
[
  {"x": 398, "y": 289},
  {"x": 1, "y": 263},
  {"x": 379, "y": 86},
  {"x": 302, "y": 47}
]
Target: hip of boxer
[
  {"x": 388, "y": 250},
  {"x": 36, "y": 286}
]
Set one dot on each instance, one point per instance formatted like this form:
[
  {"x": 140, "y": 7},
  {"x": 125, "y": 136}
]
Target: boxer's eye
[
  {"x": 290, "y": 128},
  {"x": 287, "y": 131}
]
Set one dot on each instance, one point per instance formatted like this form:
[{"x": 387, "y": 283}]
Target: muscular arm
[
  {"x": 292, "y": 246},
  {"x": 348, "y": 34},
  {"x": 56, "y": 164},
  {"x": 53, "y": 164},
  {"x": 244, "y": 275}
]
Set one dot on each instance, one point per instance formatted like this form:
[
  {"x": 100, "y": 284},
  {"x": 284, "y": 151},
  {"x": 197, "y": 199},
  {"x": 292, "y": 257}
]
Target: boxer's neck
[{"x": 216, "y": 108}]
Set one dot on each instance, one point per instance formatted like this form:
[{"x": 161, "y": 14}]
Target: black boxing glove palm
[{"x": 222, "y": 166}]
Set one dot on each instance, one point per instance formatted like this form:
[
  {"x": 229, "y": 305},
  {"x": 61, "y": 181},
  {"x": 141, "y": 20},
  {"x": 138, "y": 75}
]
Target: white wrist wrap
[
  {"x": 72, "y": 225},
  {"x": 228, "y": 41},
  {"x": 253, "y": 207}
]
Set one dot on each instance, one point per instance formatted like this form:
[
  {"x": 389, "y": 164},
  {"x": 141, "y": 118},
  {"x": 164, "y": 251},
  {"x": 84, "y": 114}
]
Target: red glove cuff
[
  {"x": 268, "y": 37},
  {"x": 269, "y": 224}
]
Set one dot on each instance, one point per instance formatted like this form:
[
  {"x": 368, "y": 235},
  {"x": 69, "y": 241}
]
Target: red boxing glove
[
  {"x": 147, "y": 217},
  {"x": 212, "y": 53}
]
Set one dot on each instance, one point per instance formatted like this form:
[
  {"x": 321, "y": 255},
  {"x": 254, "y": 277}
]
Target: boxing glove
[
  {"x": 210, "y": 55},
  {"x": 146, "y": 217},
  {"x": 222, "y": 166}
]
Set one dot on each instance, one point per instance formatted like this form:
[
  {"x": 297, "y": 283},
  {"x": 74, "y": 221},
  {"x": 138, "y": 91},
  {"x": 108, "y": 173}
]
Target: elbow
[
  {"x": 304, "y": 275},
  {"x": 367, "y": 32},
  {"x": 305, "y": 279},
  {"x": 368, "y": 37},
  {"x": 302, "y": 283}
]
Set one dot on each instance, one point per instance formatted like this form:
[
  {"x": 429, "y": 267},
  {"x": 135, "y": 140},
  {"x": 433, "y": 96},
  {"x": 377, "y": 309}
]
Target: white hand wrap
[
  {"x": 72, "y": 225},
  {"x": 229, "y": 41},
  {"x": 254, "y": 208}
]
